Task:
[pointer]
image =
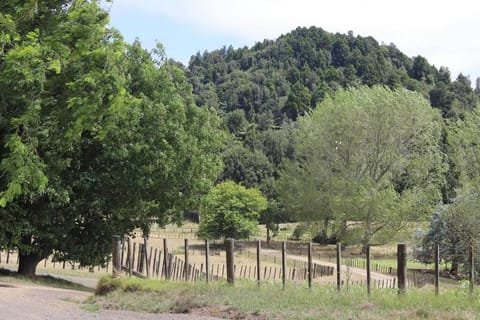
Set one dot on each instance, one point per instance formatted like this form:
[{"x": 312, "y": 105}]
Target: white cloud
[{"x": 444, "y": 31}]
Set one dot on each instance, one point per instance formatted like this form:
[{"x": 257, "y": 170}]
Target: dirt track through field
[
  {"x": 344, "y": 269},
  {"x": 28, "y": 302}
]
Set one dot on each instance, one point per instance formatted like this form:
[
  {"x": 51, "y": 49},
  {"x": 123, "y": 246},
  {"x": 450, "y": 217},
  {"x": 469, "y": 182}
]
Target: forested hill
[{"x": 276, "y": 80}]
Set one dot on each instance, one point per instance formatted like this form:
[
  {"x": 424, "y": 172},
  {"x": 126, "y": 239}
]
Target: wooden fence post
[
  {"x": 165, "y": 259},
  {"x": 471, "y": 262},
  {"x": 259, "y": 247},
  {"x": 284, "y": 264},
  {"x": 229, "y": 248},
  {"x": 369, "y": 278},
  {"x": 207, "y": 262},
  {"x": 146, "y": 260},
  {"x": 129, "y": 257},
  {"x": 116, "y": 255},
  {"x": 339, "y": 261},
  {"x": 141, "y": 258},
  {"x": 123, "y": 253},
  {"x": 437, "y": 268},
  {"x": 402, "y": 267},
  {"x": 309, "y": 270},
  {"x": 185, "y": 266}
]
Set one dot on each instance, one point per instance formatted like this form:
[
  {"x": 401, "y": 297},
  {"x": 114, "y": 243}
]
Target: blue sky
[{"x": 443, "y": 31}]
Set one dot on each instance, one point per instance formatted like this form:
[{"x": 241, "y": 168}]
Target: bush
[
  {"x": 106, "y": 285},
  {"x": 299, "y": 231}
]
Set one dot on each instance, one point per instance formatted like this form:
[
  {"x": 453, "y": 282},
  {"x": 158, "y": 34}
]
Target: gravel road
[{"x": 29, "y": 302}]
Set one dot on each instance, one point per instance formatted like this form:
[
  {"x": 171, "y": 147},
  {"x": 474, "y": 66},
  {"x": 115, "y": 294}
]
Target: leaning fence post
[
  {"x": 146, "y": 260},
  {"x": 207, "y": 264},
  {"x": 230, "y": 261},
  {"x": 402, "y": 267},
  {"x": 339, "y": 260},
  {"x": 437, "y": 268},
  {"x": 116, "y": 255}
]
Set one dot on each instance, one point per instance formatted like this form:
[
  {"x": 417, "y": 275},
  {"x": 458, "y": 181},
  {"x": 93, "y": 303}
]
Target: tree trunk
[{"x": 27, "y": 264}]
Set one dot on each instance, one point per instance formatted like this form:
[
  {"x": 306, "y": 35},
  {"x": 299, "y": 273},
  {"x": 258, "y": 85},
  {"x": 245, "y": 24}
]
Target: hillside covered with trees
[
  {"x": 278, "y": 80},
  {"x": 261, "y": 92}
]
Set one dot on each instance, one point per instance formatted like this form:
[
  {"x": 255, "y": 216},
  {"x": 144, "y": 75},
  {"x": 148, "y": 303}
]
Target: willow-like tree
[
  {"x": 368, "y": 155},
  {"x": 97, "y": 137}
]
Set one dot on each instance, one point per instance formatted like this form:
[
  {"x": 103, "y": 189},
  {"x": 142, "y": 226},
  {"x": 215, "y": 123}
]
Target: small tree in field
[{"x": 231, "y": 211}]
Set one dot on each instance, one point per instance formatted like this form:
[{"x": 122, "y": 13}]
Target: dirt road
[
  {"x": 28, "y": 302},
  {"x": 362, "y": 273}
]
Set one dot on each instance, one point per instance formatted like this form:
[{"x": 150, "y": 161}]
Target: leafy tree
[
  {"x": 366, "y": 155},
  {"x": 97, "y": 137},
  {"x": 231, "y": 211},
  {"x": 241, "y": 165},
  {"x": 456, "y": 225},
  {"x": 455, "y": 228},
  {"x": 298, "y": 101},
  {"x": 236, "y": 122}
]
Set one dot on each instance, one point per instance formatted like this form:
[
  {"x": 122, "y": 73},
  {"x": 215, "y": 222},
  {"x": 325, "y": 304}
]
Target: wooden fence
[
  {"x": 400, "y": 278},
  {"x": 142, "y": 260}
]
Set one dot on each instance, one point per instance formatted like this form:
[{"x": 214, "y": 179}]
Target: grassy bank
[{"x": 246, "y": 301}]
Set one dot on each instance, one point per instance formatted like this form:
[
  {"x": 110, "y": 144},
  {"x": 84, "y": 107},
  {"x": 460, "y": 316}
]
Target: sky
[{"x": 445, "y": 32}]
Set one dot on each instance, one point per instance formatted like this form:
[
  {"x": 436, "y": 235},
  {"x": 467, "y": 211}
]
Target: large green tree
[
  {"x": 367, "y": 155},
  {"x": 97, "y": 137}
]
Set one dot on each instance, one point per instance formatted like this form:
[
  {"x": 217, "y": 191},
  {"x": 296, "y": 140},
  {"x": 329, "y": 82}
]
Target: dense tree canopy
[
  {"x": 97, "y": 137},
  {"x": 268, "y": 86},
  {"x": 455, "y": 226},
  {"x": 310, "y": 62},
  {"x": 370, "y": 156}
]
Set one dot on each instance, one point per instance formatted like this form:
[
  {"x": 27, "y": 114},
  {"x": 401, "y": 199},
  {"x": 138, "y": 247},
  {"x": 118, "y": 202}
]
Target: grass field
[{"x": 247, "y": 301}]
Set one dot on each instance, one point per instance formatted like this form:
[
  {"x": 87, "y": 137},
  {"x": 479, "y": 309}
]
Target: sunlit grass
[{"x": 270, "y": 301}]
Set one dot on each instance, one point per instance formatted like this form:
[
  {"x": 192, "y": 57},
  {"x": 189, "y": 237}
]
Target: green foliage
[
  {"x": 276, "y": 78},
  {"x": 455, "y": 227},
  {"x": 370, "y": 155},
  {"x": 298, "y": 101},
  {"x": 241, "y": 165},
  {"x": 231, "y": 211},
  {"x": 265, "y": 88},
  {"x": 98, "y": 137}
]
